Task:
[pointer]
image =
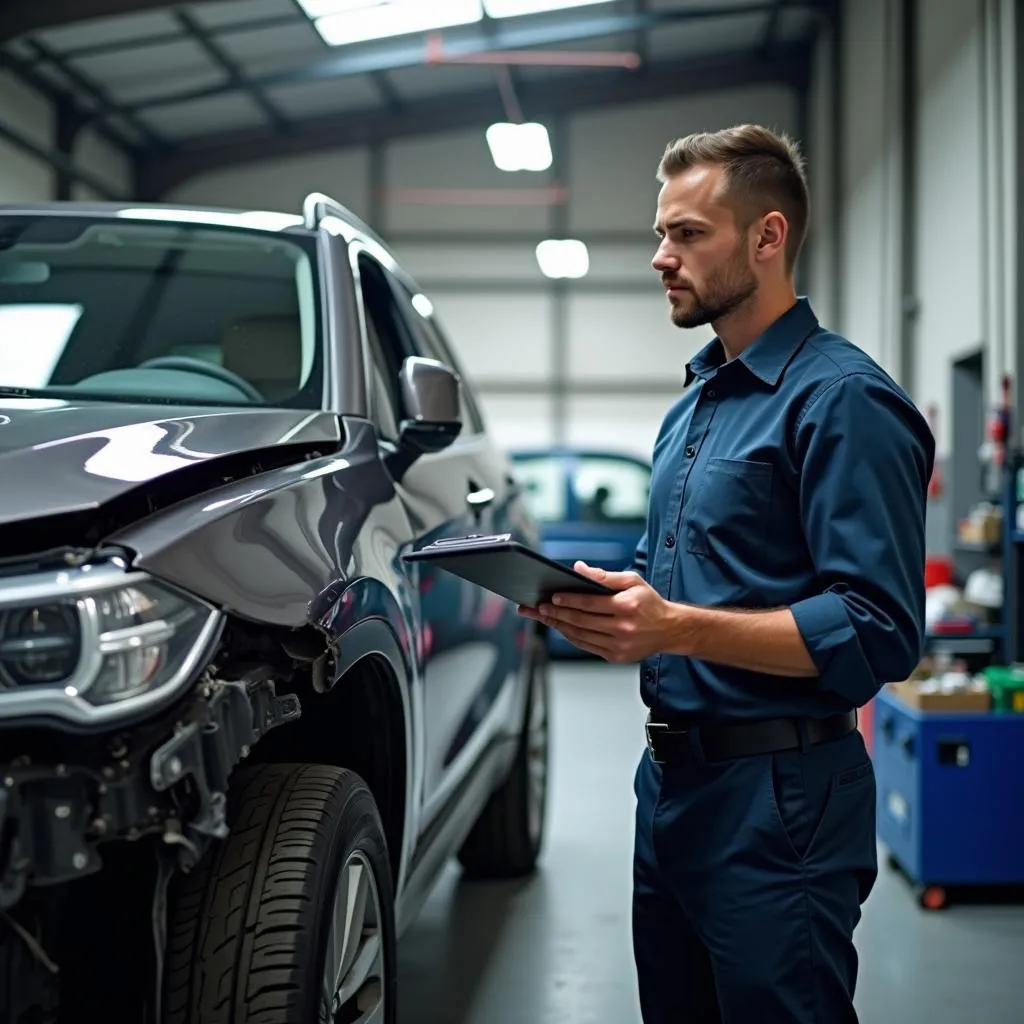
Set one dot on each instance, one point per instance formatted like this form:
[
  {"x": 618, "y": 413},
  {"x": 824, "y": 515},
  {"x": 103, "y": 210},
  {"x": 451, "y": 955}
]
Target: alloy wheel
[{"x": 353, "y": 986}]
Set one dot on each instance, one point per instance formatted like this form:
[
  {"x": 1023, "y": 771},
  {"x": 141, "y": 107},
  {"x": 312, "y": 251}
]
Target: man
[{"x": 779, "y": 584}]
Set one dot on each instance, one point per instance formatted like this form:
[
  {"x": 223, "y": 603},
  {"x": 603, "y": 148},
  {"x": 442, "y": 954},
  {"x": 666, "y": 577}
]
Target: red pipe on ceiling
[
  {"x": 535, "y": 58},
  {"x": 547, "y": 196}
]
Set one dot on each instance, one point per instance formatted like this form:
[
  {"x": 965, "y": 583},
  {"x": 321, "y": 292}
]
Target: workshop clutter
[{"x": 944, "y": 684}]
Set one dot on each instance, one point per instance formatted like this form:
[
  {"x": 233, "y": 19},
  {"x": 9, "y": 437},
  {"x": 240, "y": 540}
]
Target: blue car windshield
[
  {"x": 586, "y": 487},
  {"x": 123, "y": 308}
]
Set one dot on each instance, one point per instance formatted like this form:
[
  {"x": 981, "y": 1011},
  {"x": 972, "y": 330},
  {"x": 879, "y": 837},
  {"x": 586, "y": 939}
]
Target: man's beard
[{"x": 725, "y": 292}]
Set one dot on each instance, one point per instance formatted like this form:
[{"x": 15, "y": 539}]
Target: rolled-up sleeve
[{"x": 866, "y": 455}]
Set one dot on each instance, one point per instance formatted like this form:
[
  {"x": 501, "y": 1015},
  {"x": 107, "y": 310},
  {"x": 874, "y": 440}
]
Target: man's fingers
[
  {"x": 615, "y": 580},
  {"x": 597, "y": 625},
  {"x": 586, "y": 640}
]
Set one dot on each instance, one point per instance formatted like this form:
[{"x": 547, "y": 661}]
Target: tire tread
[{"x": 243, "y": 935}]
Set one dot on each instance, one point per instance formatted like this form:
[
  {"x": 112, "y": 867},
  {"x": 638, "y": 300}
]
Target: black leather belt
[{"x": 673, "y": 744}]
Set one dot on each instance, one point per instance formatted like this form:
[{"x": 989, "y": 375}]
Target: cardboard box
[{"x": 973, "y": 699}]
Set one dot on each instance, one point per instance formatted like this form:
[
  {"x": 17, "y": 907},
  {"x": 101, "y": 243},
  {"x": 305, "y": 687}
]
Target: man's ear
[{"x": 771, "y": 239}]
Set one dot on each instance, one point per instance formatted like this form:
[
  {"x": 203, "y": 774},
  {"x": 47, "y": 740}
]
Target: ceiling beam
[
  {"x": 393, "y": 55},
  {"x": 548, "y": 98},
  {"x": 17, "y": 19}
]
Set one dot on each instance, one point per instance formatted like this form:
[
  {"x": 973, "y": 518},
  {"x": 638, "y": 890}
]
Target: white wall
[
  {"x": 505, "y": 318},
  {"x": 960, "y": 295},
  {"x": 23, "y": 177},
  {"x": 950, "y": 239}
]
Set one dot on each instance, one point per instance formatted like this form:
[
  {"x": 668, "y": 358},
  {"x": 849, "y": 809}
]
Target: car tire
[
  {"x": 507, "y": 840},
  {"x": 254, "y": 931}
]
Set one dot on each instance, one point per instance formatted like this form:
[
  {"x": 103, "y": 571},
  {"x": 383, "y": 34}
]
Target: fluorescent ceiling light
[
  {"x": 388, "y": 18},
  {"x": 519, "y": 147},
  {"x": 513, "y": 8},
  {"x": 563, "y": 257}
]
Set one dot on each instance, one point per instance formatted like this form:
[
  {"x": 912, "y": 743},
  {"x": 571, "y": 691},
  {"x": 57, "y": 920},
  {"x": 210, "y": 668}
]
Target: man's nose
[{"x": 664, "y": 260}]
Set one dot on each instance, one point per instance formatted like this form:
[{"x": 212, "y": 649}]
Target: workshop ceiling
[{"x": 191, "y": 87}]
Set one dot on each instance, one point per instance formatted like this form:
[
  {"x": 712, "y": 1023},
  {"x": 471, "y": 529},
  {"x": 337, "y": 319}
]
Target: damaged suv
[{"x": 240, "y": 736}]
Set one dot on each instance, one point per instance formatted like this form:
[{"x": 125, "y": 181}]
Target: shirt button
[
  {"x": 712, "y": 393},
  {"x": 670, "y": 541},
  {"x": 648, "y": 675},
  {"x": 690, "y": 451}
]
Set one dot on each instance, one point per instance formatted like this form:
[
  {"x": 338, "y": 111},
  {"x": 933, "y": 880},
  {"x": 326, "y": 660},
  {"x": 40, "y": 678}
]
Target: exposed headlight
[{"x": 86, "y": 643}]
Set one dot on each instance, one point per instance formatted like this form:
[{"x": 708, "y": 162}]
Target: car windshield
[
  {"x": 542, "y": 478},
  {"x": 605, "y": 488},
  {"x": 611, "y": 489},
  {"x": 124, "y": 309}
]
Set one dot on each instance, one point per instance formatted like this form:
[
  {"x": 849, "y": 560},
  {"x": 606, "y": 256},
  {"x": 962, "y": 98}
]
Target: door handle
[{"x": 480, "y": 498}]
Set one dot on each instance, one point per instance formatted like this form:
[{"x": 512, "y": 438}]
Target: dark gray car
[{"x": 240, "y": 737}]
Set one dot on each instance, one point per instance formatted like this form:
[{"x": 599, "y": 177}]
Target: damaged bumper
[{"x": 167, "y": 779}]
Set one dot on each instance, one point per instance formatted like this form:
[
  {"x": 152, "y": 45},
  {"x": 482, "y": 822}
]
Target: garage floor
[{"x": 556, "y": 949}]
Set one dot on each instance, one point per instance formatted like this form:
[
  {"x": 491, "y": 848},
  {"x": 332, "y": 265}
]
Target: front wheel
[{"x": 291, "y": 918}]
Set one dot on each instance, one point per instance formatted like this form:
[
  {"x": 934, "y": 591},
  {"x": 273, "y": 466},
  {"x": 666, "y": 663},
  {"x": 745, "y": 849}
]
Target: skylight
[
  {"x": 514, "y": 8},
  {"x": 342, "y": 22}
]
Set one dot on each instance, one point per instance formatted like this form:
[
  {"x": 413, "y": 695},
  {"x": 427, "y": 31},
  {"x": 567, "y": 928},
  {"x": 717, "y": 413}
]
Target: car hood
[{"x": 59, "y": 457}]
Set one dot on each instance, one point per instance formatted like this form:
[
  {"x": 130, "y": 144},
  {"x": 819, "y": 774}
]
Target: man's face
[{"x": 703, "y": 257}]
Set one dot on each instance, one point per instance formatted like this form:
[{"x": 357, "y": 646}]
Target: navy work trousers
[{"x": 749, "y": 877}]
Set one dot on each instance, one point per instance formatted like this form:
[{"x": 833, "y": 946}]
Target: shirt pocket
[{"x": 730, "y": 515}]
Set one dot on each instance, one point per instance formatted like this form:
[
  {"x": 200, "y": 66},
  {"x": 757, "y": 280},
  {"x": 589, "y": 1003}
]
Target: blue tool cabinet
[{"x": 950, "y": 793}]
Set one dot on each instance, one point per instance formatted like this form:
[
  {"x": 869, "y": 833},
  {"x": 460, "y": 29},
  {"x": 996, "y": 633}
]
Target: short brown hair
[{"x": 763, "y": 171}]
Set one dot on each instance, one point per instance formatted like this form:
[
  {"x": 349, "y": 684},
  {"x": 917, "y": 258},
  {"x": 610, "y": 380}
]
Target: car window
[
  {"x": 611, "y": 490},
  {"x": 543, "y": 481},
  {"x": 134, "y": 309},
  {"x": 430, "y": 342},
  {"x": 387, "y": 344},
  {"x": 386, "y": 410}
]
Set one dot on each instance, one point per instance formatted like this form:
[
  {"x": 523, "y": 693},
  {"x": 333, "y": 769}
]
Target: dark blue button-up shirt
[{"x": 793, "y": 476}]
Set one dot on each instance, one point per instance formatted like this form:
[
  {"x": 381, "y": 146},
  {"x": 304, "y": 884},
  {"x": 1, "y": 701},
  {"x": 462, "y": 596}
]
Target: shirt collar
[{"x": 768, "y": 355}]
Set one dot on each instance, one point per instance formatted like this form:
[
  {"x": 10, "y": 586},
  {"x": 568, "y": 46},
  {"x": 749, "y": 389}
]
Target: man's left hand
[{"x": 624, "y": 627}]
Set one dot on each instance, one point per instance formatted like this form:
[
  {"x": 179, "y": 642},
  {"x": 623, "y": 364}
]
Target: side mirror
[
  {"x": 432, "y": 407},
  {"x": 431, "y": 402}
]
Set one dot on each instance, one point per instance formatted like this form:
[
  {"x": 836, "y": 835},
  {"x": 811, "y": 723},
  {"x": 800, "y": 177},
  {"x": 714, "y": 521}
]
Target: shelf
[
  {"x": 978, "y": 641},
  {"x": 969, "y": 547}
]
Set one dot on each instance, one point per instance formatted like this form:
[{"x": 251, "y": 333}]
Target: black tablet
[{"x": 506, "y": 568}]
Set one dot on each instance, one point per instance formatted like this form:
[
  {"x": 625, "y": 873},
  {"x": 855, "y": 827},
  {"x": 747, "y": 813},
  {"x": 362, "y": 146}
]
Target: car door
[
  {"x": 496, "y": 708},
  {"x": 445, "y": 495}
]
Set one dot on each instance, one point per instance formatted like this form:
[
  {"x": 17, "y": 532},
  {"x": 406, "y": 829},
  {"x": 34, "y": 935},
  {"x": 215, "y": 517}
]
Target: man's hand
[{"x": 624, "y": 627}]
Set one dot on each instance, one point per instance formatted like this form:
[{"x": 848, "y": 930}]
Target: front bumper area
[{"x": 167, "y": 778}]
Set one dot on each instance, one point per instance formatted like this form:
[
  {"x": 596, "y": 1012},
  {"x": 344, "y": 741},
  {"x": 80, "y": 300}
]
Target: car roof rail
[{"x": 317, "y": 205}]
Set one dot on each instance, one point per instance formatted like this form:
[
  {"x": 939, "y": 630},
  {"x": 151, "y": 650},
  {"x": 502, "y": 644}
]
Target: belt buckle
[{"x": 649, "y": 727}]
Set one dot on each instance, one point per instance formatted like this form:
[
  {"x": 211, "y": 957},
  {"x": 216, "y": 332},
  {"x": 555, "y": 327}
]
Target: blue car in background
[{"x": 589, "y": 504}]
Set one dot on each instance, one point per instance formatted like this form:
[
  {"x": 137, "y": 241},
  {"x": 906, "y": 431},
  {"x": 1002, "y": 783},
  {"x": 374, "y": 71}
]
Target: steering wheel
[{"x": 189, "y": 365}]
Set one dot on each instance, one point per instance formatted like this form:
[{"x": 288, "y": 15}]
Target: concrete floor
[{"x": 557, "y": 947}]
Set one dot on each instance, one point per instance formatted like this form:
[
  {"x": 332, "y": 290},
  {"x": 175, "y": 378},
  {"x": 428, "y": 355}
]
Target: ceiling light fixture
[
  {"x": 563, "y": 258},
  {"x": 515, "y": 8},
  {"x": 519, "y": 147},
  {"x": 385, "y": 19}
]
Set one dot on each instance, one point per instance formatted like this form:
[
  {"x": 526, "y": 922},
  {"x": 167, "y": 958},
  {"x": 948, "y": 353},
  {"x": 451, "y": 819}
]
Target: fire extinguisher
[
  {"x": 998, "y": 434},
  {"x": 935, "y": 484}
]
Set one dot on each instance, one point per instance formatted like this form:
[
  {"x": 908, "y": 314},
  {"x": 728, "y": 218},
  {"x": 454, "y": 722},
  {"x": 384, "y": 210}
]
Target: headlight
[{"x": 85, "y": 643}]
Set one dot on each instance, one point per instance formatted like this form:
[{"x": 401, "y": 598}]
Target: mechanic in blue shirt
[{"x": 779, "y": 584}]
